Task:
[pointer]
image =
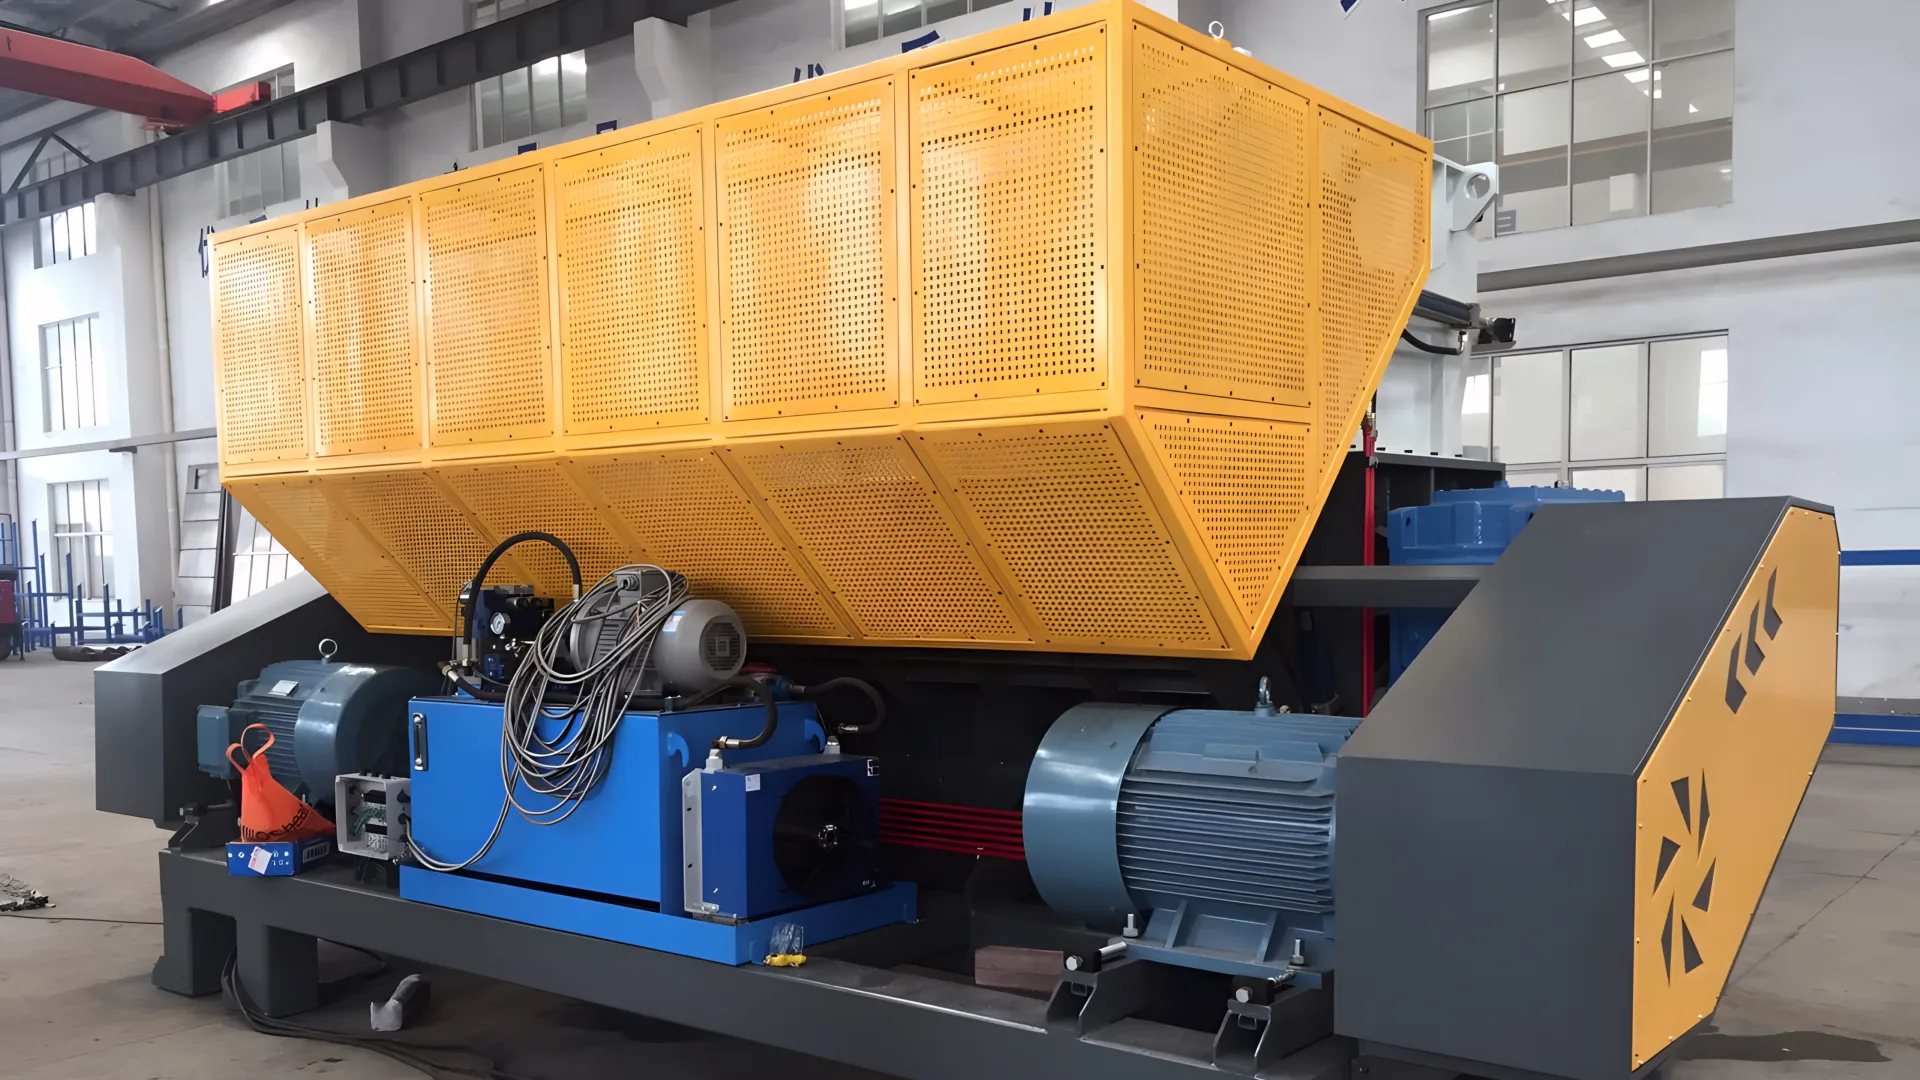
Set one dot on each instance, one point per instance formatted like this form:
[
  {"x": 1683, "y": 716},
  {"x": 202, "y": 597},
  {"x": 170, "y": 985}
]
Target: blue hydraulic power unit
[
  {"x": 667, "y": 851},
  {"x": 1467, "y": 527}
]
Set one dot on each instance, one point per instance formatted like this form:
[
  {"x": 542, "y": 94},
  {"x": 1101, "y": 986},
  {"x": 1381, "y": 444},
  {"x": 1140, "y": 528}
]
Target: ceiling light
[
  {"x": 1726, "y": 170},
  {"x": 1604, "y": 38},
  {"x": 1639, "y": 76},
  {"x": 1691, "y": 107},
  {"x": 1624, "y": 59},
  {"x": 1656, "y": 91},
  {"x": 1438, "y": 15},
  {"x": 1586, "y": 15}
]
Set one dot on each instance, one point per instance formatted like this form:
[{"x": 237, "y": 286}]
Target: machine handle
[{"x": 419, "y": 742}]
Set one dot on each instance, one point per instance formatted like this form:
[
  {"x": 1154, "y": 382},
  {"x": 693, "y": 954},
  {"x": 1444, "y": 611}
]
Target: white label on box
[
  {"x": 284, "y": 687},
  {"x": 259, "y": 860},
  {"x": 753, "y": 781}
]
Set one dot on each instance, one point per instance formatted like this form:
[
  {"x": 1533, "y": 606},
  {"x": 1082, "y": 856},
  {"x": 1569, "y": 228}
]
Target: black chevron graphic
[
  {"x": 1736, "y": 694},
  {"x": 1773, "y": 616}
]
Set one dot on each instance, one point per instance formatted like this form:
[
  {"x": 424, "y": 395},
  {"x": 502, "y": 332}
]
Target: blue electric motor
[
  {"x": 1468, "y": 527},
  {"x": 326, "y": 718},
  {"x": 1208, "y": 834}
]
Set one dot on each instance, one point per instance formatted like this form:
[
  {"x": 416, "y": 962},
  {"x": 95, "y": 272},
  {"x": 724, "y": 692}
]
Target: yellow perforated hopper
[{"x": 1048, "y": 339}]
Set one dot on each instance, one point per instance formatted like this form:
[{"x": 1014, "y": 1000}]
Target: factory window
[
  {"x": 250, "y": 184},
  {"x": 69, "y": 234},
  {"x": 82, "y": 551},
  {"x": 75, "y": 385},
  {"x": 1594, "y": 109},
  {"x": 1645, "y": 417},
  {"x": 862, "y": 21},
  {"x": 259, "y": 561},
  {"x": 546, "y": 96}
]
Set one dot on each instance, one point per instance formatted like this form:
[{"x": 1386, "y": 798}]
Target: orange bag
[{"x": 269, "y": 811}]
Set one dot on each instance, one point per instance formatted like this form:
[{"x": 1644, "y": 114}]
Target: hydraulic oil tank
[
  {"x": 1211, "y": 832},
  {"x": 1469, "y": 527}
]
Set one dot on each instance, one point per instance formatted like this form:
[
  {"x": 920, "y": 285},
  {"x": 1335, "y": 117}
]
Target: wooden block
[{"x": 1009, "y": 968}]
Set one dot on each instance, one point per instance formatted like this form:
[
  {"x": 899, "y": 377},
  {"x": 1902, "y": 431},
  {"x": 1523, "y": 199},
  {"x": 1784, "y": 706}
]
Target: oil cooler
[{"x": 1205, "y": 835}]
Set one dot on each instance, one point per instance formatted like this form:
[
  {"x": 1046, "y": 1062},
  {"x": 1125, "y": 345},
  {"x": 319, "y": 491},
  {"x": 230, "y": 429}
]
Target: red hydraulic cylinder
[{"x": 109, "y": 80}]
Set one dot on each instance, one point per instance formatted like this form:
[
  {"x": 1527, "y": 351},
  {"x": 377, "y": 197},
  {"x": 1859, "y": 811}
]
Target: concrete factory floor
[{"x": 1828, "y": 984}]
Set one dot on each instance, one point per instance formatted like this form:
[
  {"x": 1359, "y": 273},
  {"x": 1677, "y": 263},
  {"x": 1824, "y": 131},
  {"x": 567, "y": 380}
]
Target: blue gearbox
[{"x": 1210, "y": 832}]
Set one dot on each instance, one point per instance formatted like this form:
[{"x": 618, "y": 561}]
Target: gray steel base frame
[{"x": 891, "y": 1021}]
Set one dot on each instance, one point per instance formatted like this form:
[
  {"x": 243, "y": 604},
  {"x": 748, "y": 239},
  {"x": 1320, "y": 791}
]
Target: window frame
[
  {"x": 1652, "y": 63},
  {"x": 289, "y": 158},
  {"x": 1567, "y": 464},
  {"x": 89, "y": 382},
  {"x": 45, "y": 251},
  {"x": 839, "y": 19},
  {"x": 562, "y": 76},
  {"x": 95, "y": 538}
]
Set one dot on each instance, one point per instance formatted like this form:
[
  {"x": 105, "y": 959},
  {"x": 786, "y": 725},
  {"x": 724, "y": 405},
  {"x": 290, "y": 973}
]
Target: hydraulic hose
[
  {"x": 862, "y": 685},
  {"x": 730, "y": 742},
  {"x": 472, "y": 595}
]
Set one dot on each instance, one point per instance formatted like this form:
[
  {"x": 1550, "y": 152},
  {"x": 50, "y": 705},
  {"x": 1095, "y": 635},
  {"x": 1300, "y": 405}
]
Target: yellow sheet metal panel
[
  {"x": 355, "y": 570},
  {"x": 1721, "y": 787},
  {"x": 1061, "y": 508},
  {"x": 1009, "y": 210},
  {"x": 419, "y": 528},
  {"x": 1373, "y": 257},
  {"x": 629, "y": 222},
  {"x": 868, "y": 519},
  {"x": 809, "y": 286},
  {"x": 1224, "y": 178},
  {"x": 368, "y": 382},
  {"x": 683, "y": 509},
  {"x": 258, "y": 348},
  {"x": 538, "y": 496},
  {"x": 484, "y": 243},
  {"x": 1246, "y": 485}
]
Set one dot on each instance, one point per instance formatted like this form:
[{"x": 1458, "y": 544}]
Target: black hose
[
  {"x": 862, "y": 685},
  {"x": 729, "y": 742},
  {"x": 472, "y": 596},
  {"x": 1437, "y": 350}
]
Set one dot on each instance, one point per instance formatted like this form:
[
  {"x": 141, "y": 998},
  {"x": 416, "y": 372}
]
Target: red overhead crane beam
[{"x": 78, "y": 73}]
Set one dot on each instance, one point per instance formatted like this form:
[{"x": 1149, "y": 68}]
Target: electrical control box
[{"x": 372, "y": 815}]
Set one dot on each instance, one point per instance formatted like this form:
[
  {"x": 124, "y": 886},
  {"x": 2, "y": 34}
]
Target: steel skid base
[{"x": 893, "y": 1021}]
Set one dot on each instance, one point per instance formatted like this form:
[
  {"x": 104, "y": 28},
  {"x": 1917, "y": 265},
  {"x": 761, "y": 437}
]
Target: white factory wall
[
  {"x": 1816, "y": 344},
  {"x": 1819, "y": 348}
]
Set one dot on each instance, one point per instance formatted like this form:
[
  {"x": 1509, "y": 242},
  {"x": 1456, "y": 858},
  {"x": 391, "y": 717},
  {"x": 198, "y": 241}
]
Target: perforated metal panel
[
  {"x": 1151, "y": 282},
  {"x": 1373, "y": 245},
  {"x": 808, "y": 286},
  {"x": 1223, "y": 173},
  {"x": 258, "y": 349},
  {"x": 1009, "y": 198},
  {"x": 629, "y": 224},
  {"x": 487, "y": 304},
  {"x": 424, "y": 534},
  {"x": 1064, "y": 511},
  {"x": 355, "y": 570},
  {"x": 687, "y": 512},
  {"x": 1246, "y": 484},
  {"x": 507, "y": 499},
  {"x": 367, "y": 377},
  {"x": 868, "y": 519}
]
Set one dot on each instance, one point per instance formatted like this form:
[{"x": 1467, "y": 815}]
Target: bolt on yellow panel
[
  {"x": 630, "y": 233},
  {"x": 1062, "y": 512},
  {"x": 809, "y": 291},
  {"x": 1009, "y": 176},
  {"x": 1223, "y": 183},
  {"x": 683, "y": 509},
  {"x": 258, "y": 349},
  {"x": 489, "y": 360},
  {"x": 868, "y": 520},
  {"x": 368, "y": 382},
  {"x": 355, "y": 569},
  {"x": 1721, "y": 787}
]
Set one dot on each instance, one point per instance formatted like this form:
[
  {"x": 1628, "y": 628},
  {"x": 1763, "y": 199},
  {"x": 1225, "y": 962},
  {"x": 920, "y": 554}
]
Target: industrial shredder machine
[{"x": 873, "y": 518}]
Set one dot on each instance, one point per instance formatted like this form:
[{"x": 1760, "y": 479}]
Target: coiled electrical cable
[{"x": 553, "y": 755}]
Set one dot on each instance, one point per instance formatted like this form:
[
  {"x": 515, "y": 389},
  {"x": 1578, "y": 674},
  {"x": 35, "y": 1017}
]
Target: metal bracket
[
  {"x": 1254, "y": 1035},
  {"x": 1086, "y": 1001},
  {"x": 206, "y": 826}
]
